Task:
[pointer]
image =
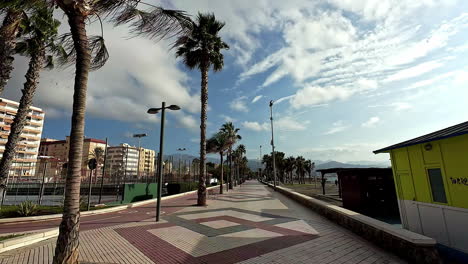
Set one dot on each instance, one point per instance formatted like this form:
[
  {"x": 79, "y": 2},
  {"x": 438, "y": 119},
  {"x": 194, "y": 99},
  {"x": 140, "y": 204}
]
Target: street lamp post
[
  {"x": 153, "y": 111},
  {"x": 139, "y": 136},
  {"x": 180, "y": 174},
  {"x": 261, "y": 166},
  {"x": 272, "y": 143}
]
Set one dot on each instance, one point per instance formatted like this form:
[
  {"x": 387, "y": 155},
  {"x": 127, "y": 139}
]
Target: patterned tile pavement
[{"x": 250, "y": 224}]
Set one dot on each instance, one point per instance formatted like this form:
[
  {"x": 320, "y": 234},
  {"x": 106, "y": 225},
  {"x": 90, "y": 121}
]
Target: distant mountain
[
  {"x": 255, "y": 164},
  {"x": 320, "y": 164},
  {"x": 336, "y": 164}
]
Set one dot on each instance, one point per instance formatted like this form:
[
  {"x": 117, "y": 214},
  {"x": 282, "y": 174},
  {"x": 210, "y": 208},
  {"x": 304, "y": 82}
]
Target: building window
[{"x": 437, "y": 185}]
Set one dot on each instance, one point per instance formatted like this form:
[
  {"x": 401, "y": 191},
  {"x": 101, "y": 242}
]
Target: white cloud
[
  {"x": 371, "y": 122},
  {"x": 187, "y": 121},
  {"x": 256, "y": 98},
  {"x": 289, "y": 124},
  {"x": 344, "y": 56},
  {"x": 255, "y": 126},
  {"x": 400, "y": 106},
  {"x": 282, "y": 124},
  {"x": 414, "y": 71},
  {"x": 227, "y": 118},
  {"x": 337, "y": 127},
  {"x": 239, "y": 104},
  {"x": 397, "y": 106},
  {"x": 132, "y": 81},
  {"x": 313, "y": 95}
]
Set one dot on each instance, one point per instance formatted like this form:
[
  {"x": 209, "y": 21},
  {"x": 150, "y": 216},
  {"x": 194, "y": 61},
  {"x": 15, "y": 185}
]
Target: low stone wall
[{"x": 411, "y": 246}]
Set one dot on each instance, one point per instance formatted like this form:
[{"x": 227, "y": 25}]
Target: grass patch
[
  {"x": 10, "y": 211},
  {"x": 3, "y": 238}
]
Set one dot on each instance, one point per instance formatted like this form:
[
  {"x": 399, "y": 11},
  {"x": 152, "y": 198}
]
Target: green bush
[{"x": 27, "y": 208}]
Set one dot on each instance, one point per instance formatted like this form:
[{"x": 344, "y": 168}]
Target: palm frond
[
  {"x": 99, "y": 53},
  {"x": 97, "y": 48},
  {"x": 155, "y": 23}
]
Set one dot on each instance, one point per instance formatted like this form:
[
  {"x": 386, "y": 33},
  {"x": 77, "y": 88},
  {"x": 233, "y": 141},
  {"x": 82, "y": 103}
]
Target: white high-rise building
[{"x": 26, "y": 153}]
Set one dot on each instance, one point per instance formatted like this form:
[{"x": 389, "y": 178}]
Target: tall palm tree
[
  {"x": 39, "y": 34},
  {"x": 240, "y": 151},
  {"x": 202, "y": 49},
  {"x": 13, "y": 11},
  {"x": 156, "y": 23},
  {"x": 309, "y": 166},
  {"x": 233, "y": 137},
  {"x": 218, "y": 143},
  {"x": 300, "y": 169},
  {"x": 289, "y": 165}
]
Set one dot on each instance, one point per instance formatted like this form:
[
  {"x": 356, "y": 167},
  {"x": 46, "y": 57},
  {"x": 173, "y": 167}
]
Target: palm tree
[
  {"x": 157, "y": 23},
  {"x": 300, "y": 169},
  {"x": 13, "y": 11},
  {"x": 233, "y": 137},
  {"x": 309, "y": 166},
  {"x": 202, "y": 49},
  {"x": 98, "y": 155},
  {"x": 39, "y": 32},
  {"x": 289, "y": 165},
  {"x": 218, "y": 143},
  {"x": 240, "y": 151}
]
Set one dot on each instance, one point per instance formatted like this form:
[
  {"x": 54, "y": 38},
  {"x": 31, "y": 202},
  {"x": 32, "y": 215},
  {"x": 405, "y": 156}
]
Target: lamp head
[
  {"x": 173, "y": 107},
  {"x": 153, "y": 111}
]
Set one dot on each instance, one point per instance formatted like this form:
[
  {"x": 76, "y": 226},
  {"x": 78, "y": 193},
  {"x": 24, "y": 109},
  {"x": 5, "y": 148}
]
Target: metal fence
[{"x": 108, "y": 189}]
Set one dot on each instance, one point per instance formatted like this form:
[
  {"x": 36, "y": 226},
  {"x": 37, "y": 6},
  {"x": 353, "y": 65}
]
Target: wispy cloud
[
  {"x": 239, "y": 104},
  {"x": 255, "y": 126},
  {"x": 256, "y": 98},
  {"x": 337, "y": 127},
  {"x": 371, "y": 122},
  {"x": 227, "y": 118}
]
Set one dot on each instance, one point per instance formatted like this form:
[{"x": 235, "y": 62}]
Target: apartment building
[
  {"x": 24, "y": 163},
  {"x": 147, "y": 161},
  {"x": 55, "y": 153},
  {"x": 122, "y": 162}
]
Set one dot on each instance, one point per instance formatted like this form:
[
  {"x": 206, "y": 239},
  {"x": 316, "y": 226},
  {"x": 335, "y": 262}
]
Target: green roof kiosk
[{"x": 431, "y": 180}]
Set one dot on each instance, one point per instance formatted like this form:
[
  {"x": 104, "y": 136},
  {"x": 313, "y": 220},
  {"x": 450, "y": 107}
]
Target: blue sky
[{"x": 348, "y": 77}]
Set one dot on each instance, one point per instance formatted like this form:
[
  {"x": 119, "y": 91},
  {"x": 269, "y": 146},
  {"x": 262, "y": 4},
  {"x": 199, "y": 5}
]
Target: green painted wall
[
  {"x": 139, "y": 192},
  {"x": 410, "y": 165}
]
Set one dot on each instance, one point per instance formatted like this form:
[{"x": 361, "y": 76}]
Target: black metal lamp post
[{"x": 153, "y": 111}]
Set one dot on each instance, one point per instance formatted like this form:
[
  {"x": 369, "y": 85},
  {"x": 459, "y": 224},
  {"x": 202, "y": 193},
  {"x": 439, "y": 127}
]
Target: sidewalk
[{"x": 251, "y": 224}]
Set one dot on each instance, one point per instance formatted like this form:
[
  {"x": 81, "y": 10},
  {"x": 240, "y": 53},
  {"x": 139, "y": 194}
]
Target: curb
[
  {"x": 34, "y": 237},
  {"x": 26, "y": 240}
]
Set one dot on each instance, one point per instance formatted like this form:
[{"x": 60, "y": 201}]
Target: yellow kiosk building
[{"x": 431, "y": 180}]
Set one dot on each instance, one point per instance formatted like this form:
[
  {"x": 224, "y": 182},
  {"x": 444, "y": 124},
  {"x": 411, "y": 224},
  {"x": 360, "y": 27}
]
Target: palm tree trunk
[
  {"x": 230, "y": 168},
  {"x": 8, "y": 33},
  {"x": 222, "y": 172},
  {"x": 32, "y": 79},
  {"x": 66, "y": 250},
  {"x": 201, "y": 201}
]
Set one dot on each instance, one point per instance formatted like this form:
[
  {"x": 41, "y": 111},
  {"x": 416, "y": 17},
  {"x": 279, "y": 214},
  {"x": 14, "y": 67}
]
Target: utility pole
[
  {"x": 261, "y": 166},
  {"x": 273, "y": 144}
]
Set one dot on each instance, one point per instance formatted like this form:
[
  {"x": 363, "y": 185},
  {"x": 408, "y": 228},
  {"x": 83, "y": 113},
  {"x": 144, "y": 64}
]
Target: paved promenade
[{"x": 251, "y": 224}]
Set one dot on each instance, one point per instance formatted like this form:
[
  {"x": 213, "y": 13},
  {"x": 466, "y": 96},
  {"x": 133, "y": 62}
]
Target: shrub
[{"x": 27, "y": 208}]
